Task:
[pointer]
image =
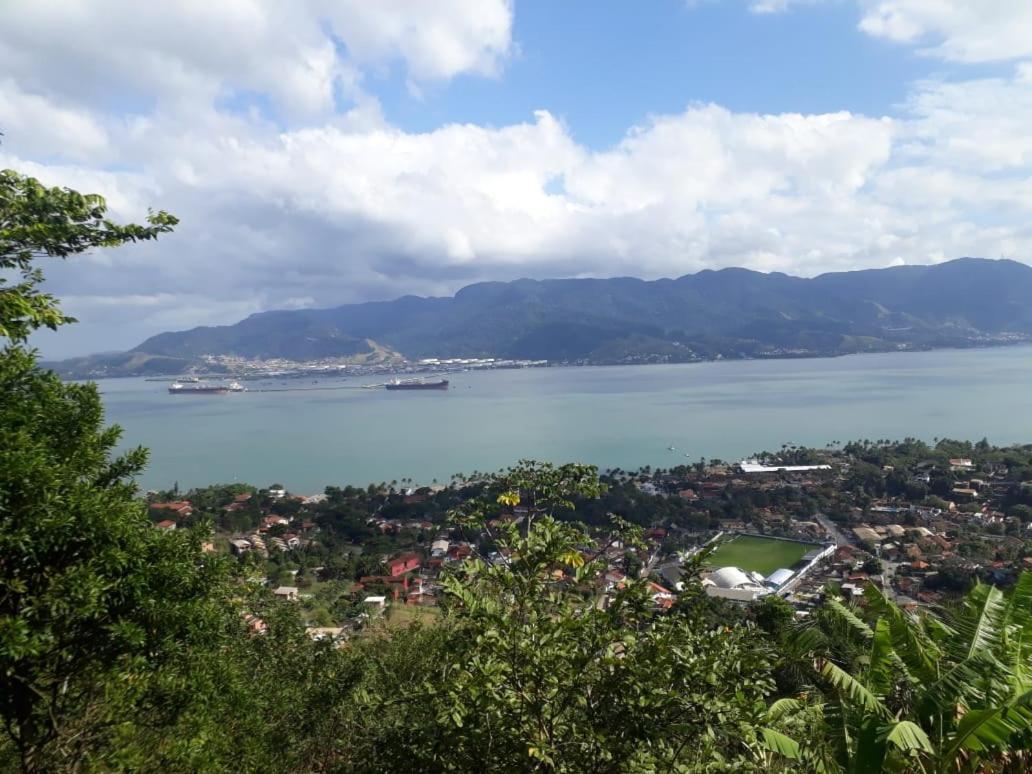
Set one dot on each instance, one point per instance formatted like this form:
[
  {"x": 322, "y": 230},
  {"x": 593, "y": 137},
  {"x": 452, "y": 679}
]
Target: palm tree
[{"x": 922, "y": 693}]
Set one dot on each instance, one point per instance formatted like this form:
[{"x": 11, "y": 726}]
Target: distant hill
[{"x": 730, "y": 313}]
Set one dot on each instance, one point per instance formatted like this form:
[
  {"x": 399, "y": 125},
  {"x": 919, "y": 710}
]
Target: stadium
[{"x": 747, "y": 567}]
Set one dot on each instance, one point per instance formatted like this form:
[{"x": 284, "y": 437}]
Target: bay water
[{"x": 330, "y": 431}]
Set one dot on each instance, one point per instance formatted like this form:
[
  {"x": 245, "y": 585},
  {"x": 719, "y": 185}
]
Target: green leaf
[
  {"x": 778, "y": 742},
  {"x": 853, "y": 688},
  {"x": 990, "y": 610},
  {"x": 907, "y": 735},
  {"x": 783, "y": 707}
]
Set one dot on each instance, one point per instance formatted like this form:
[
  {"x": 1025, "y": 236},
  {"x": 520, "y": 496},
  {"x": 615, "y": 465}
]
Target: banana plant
[{"x": 934, "y": 692}]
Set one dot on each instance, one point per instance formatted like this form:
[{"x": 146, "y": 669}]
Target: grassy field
[
  {"x": 757, "y": 554},
  {"x": 403, "y": 616}
]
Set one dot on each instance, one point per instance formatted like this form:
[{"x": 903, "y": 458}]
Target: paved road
[
  {"x": 888, "y": 573},
  {"x": 835, "y": 532}
]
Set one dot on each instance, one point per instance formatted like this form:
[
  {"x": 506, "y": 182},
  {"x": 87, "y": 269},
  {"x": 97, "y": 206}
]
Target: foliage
[
  {"x": 907, "y": 693},
  {"x": 546, "y": 676},
  {"x": 95, "y": 602},
  {"x": 36, "y": 222}
]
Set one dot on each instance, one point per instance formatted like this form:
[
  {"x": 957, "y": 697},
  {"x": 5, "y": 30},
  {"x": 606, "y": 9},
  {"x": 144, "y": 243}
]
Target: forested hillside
[{"x": 727, "y": 313}]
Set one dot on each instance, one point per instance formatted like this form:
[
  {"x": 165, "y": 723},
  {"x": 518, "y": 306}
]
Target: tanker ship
[
  {"x": 197, "y": 387},
  {"x": 417, "y": 384}
]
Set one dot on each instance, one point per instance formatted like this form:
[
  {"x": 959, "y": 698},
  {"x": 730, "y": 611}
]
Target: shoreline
[{"x": 415, "y": 368}]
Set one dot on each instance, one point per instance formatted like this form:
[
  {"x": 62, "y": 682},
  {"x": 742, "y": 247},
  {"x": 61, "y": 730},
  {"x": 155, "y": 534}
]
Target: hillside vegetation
[{"x": 727, "y": 313}]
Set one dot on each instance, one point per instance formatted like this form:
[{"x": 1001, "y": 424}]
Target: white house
[{"x": 286, "y": 592}]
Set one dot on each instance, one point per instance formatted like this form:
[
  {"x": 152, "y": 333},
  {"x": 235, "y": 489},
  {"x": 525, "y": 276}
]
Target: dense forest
[{"x": 125, "y": 647}]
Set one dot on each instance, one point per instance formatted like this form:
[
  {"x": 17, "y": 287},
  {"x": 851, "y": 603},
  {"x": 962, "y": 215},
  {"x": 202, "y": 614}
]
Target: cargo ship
[
  {"x": 417, "y": 384},
  {"x": 197, "y": 387}
]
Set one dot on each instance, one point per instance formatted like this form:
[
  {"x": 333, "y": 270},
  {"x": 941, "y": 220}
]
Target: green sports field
[{"x": 757, "y": 554}]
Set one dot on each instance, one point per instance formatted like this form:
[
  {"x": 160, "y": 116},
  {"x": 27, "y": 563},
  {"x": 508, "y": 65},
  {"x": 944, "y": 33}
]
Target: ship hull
[
  {"x": 441, "y": 385},
  {"x": 199, "y": 391}
]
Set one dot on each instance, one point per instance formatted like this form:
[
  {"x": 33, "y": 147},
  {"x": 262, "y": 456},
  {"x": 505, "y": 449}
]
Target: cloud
[
  {"x": 437, "y": 40},
  {"x": 969, "y": 31},
  {"x": 957, "y": 30},
  {"x": 779, "y": 6},
  {"x": 291, "y": 196},
  {"x": 44, "y": 125},
  {"x": 299, "y": 53}
]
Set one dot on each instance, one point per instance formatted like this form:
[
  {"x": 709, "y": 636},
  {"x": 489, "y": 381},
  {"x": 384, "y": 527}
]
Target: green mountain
[{"x": 728, "y": 313}]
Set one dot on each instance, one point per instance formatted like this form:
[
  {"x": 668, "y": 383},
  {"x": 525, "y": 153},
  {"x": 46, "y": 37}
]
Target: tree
[
  {"x": 540, "y": 674},
  {"x": 872, "y": 566},
  {"x": 1023, "y": 512},
  {"x": 774, "y": 615},
  {"x": 37, "y": 222},
  {"x": 93, "y": 599}
]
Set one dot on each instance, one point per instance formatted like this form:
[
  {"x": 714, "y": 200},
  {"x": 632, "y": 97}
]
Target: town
[
  {"x": 390, "y": 363},
  {"x": 920, "y": 522}
]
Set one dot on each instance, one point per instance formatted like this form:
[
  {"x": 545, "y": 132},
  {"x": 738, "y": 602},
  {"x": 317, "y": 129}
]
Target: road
[
  {"x": 888, "y": 568},
  {"x": 829, "y": 527}
]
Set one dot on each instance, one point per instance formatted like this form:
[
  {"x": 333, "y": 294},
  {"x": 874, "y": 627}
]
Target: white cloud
[
  {"x": 957, "y": 30},
  {"x": 437, "y": 40},
  {"x": 43, "y": 125},
  {"x": 977, "y": 124},
  {"x": 192, "y": 52},
  {"x": 779, "y": 6},
  {"x": 310, "y": 206},
  {"x": 968, "y": 31}
]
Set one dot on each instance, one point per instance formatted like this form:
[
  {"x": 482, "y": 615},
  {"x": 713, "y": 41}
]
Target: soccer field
[{"x": 757, "y": 554}]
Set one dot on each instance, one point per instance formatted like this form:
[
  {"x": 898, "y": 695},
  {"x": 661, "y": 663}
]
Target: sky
[{"x": 321, "y": 152}]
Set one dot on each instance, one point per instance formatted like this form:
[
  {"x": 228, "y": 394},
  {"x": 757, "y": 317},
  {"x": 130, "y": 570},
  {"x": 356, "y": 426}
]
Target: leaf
[
  {"x": 851, "y": 618},
  {"x": 990, "y": 611},
  {"x": 783, "y": 707},
  {"x": 776, "y": 741},
  {"x": 885, "y": 664},
  {"x": 907, "y": 735},
  {"x": 572, "y": 558},
  {"x": 909, "y": 641},
  {"x": 992, "y": 728},
  {"x": 853, "y": 688},
  {"x": 510, "y": 498}
]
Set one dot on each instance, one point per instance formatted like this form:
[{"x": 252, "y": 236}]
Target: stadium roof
[
  {"x": 752, "y": 466},
  {"x": 779, "y": 577},
  {"x": 731, "y": 578}
]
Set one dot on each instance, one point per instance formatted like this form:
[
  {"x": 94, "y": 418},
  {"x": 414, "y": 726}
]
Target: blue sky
[
  {"x": 321, "y": 152},
  {"x": 603, "y": 66}
]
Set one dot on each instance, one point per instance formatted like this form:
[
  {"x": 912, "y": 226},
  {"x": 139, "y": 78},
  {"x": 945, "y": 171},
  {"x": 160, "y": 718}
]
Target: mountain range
[{"x": 730, "y": 313}]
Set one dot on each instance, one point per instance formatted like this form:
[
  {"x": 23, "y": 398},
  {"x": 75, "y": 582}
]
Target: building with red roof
[{"x": 404, "y": 563}]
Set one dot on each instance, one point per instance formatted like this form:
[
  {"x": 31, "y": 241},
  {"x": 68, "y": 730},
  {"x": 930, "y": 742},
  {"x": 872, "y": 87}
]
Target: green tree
[
  {"x": 872, "y": 566},
  {"x": 93, "y": 600},
  {"x": 541, "y": 671},
  {"x": 37, "y": 222}
]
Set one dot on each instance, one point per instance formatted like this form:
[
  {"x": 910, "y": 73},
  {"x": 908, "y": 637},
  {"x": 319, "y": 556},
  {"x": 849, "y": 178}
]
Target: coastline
[{"x": 308, "y": 369}]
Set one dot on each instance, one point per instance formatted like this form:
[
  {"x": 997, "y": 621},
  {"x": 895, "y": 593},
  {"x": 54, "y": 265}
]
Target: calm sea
[{"x": 624, "y": 416}]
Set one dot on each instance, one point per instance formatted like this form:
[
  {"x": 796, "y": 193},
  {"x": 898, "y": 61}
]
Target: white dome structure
[
  {"x": 734, "y": 583},
  {"x": 729, "y": 578}
]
